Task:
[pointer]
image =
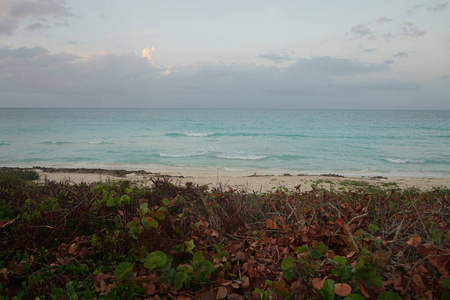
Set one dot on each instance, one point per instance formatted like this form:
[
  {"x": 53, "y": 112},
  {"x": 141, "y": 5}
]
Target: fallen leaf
[
  {"x": 208, "y": 295},
  {"x": 362, "y": 288},
  {"x": 318, "y": 283},
  {"x": 342, "y": 289},
  {"x": 340, "y": 222},
  {"x": 222, "y": 292},
  {"x": 414, "y": 241},
  {"x": 239, "y": 256},
  {"x": 73, "y": 248},
  {"x": 418, "y": 281}
]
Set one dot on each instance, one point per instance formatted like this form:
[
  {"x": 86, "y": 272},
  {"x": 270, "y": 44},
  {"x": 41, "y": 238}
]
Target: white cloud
[
  {"x": 148, "y": 53},
  {"x": 13, "y": 12}
]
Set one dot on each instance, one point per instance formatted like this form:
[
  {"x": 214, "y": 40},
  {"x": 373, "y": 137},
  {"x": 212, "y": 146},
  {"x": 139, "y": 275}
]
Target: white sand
[{"x": 249, "y": 182}]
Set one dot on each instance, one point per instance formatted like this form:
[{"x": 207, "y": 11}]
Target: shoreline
[{"x": 260, "y": 182}]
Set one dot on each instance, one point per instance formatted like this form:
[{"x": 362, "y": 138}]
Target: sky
[{"x": 299, "y": 54}]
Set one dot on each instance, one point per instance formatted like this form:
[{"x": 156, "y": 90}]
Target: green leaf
[
  {"x": 189, "y": 246},
  {"x": 124, "y": 271},
  {"x": 144, "y": 208},
  {"x": 289, "y": 273},
  {"x": 340, "y": 260},
  {"x": 134, "y": 229},
  {"x": 112, "y": 201},
  {"x": 328, "y": 290},
  {"x": 302, "y": 249},
  {"x": 336, "y": 272},
  {"x": 318, "y": 250},
  {"x": 149, "y": 222},
  {"x": 370, "y": 278},
  {"x": 436, "y": 235},
  {"x": 155, "y": 259},
  {"x": 287, "y": 263},
  {"x": 301, "y": 260},
  {"x": 125, "y": 199},
  {"x": 180, "y": 278},
  {"x": 389, "y": 296},
  {"x": 353, "y": 296},
  {"x": 373, "y": 228},
  {"x": 166, "y": 201},
  {"x": 446, "y": 283}
]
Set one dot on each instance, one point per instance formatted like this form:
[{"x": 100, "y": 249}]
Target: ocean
[{"x": 345, "y": 142}]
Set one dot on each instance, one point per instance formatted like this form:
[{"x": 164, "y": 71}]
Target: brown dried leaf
[
  {"x": 362, "y": 288},
  {"x": 208, "y": 295},
  {"x": 73, "y": 249},
  {"x": 239, "y": 256},
  {"x": 222, "y": 292},
  {"x": 246, "y": 283},
  {"x": 427, "y": 249},
  {"x": 235, "y": 284},
  {"x": 149, "y": 288},
  {"x": 418, "y": 281},
  {"x": 342, "y": 289},
  {"x": 350, "y": 254},
  {"x": 414, "y": 241},
  {"x": 203, "y": 222},
  {"x": 340, "y": 222},
  {"x": 318, "y": 283},
  {"x": 4, "y": 280},
  {"x": 233, "y": 297}
]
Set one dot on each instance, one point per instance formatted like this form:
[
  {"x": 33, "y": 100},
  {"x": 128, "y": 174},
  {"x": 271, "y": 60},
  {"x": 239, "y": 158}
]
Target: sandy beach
[{"x": 237, "y": 180}]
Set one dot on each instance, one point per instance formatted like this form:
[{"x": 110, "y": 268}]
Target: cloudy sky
[{"x": 347, "y": 54}]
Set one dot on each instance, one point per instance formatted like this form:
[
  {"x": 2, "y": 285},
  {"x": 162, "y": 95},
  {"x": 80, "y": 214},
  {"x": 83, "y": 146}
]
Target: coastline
[{"x": 259, "y": 182}]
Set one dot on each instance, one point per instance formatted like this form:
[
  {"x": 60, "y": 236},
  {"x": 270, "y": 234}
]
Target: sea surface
[{"x": 346, "y": 142}]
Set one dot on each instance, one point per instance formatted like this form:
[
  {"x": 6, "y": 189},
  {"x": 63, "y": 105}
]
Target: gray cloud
[
  {"x": 389, "y": 62},
  {"x": 400, "y": 54},
  {"x": 36, "y": 26},
  {"x": 409, "y": 30},
  {"x": 438, "y": 7},
  {"x": 414, "y": 9},
  {"x": 110, "y": 80},
  {"x": 22, "y": 52},
  {"x": 370, "y": 50},
  {"x": 274, "y": 57},
  {"x": 383, "y": 19},
  {"x": 13, "y": 12},
  {"x": 362, "y": 31}
]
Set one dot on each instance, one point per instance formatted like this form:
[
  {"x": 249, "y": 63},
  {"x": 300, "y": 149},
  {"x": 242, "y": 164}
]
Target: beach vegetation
[
  {"x": 11, "y": 176},
  {"x": 124, "y": 240}
]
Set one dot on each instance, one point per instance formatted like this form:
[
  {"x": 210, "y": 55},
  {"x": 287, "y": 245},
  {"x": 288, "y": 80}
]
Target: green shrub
[{"x": 16, "y": 176}]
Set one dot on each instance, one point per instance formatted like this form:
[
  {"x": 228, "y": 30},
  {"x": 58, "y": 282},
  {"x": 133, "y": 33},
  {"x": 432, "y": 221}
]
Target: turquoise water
[{"x": 347, "y": 142}]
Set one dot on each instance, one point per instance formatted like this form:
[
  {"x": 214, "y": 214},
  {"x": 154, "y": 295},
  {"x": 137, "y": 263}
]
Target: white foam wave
[
  {"x": 242, "y": 157},
  {"x": 178, "y": 155},
  {"x": 404, "y": 161},
  {"x": 199, "y": 134}
]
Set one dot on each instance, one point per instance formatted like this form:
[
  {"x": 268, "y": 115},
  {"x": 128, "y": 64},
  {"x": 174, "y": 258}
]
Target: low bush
[{"x": 120, "y": 240}]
